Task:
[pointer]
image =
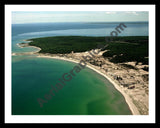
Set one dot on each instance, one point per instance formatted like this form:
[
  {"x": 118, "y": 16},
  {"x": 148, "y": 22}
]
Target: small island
[{"x": 124, "y": 61}]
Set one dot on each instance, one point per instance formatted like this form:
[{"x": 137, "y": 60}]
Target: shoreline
[
  {"x": 128, "y": 100},
  {"x": 26, "y": 53},
  {"x": 21, "y": 46}
]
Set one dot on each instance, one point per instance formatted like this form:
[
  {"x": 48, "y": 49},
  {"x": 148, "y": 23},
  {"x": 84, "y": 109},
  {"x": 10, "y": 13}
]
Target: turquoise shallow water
[{"x": 88, "y": 93}]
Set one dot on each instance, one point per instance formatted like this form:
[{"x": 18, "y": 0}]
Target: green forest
[
  {"x": 126, "y": 49},
  {"x": 120, "y": 49}
]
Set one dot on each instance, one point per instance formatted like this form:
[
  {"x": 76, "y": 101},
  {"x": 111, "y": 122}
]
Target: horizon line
[{"x": 82, "y": 22}]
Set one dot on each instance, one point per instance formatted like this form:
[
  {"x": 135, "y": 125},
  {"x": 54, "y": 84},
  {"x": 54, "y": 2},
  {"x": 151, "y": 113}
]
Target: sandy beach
[
  {"x": 26, "y": 45},
  {"x": 26, "y": 53}
]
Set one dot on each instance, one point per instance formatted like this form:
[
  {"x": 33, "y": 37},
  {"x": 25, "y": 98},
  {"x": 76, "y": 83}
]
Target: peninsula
[{"x": 124, "y": 62}]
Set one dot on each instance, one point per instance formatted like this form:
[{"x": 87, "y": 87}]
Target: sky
[{"x": 20, "y": 17}]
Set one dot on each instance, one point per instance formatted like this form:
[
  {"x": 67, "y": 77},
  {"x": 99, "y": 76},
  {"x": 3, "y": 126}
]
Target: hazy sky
[{"x": 77, "y": 16}]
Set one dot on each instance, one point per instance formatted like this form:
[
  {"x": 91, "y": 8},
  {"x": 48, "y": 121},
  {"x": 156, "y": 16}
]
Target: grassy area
[{"x": 121, "y": 49}]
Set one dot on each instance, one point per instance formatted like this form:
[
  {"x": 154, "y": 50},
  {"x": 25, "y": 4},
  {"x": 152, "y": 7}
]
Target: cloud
[
  {"x": 132, "y": 12},
  {"x": 110, "y": 12}
]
